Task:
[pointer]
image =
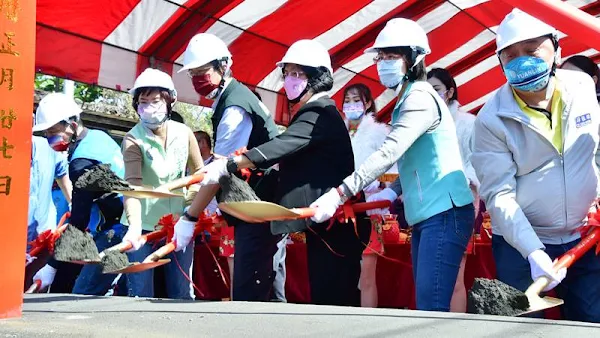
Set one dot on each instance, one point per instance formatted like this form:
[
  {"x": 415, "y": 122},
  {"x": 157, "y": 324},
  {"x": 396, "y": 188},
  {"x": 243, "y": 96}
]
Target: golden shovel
[{"x": 163, "y": 191}]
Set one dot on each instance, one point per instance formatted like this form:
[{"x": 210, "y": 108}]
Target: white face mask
[
  {"x": 152, "y": 115},
  {"x": 391, "y": 72},
  {"x": 353, "y": 110}
]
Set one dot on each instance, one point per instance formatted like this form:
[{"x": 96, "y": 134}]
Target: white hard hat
[
  {"x": 401, "y": 33},
  {"x": 307, "y": 53},
  {"x": 151, "y": 77},
  {"x": 54, "y": 108},
  {"x": 519, "y": 26},
  {"x": 202, "y": 49}
]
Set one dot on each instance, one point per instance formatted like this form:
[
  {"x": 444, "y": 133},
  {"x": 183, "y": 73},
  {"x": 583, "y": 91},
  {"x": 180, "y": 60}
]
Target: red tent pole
[{"x": 568, "y": 19}]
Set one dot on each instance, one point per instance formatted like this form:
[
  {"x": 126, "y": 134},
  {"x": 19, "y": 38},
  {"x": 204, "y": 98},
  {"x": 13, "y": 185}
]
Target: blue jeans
[
  {"x": 141, "y": 284},
  {"x": 438, "y": 245},
  {"x": 580, "y": 289},
  {"x": 91, "y": 280}
]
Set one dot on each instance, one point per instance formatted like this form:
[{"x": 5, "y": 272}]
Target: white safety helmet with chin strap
[
  {"x": 519, "y": 26},
  {"x": 204, "y": 48},
  {"x": 55, "y": 108},
  {"x": 402, "y": 32},
  {"x": 308, "y": 53},
  {"x": 151, "y": 77}
]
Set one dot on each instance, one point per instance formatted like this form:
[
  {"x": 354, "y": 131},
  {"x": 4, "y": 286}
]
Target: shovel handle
[
  {"x": 183, "y": 182},
  {"x": 357, "y": 207},
  {"x": 37, "y": 284},
  {"x": 149, "y": 237},
  {"x": 571, "y": 256},
  {"x": 161, "y": 252}
]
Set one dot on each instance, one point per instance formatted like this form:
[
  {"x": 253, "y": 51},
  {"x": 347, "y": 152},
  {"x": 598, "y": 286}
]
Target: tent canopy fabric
[{"x": 110, "y": 42}]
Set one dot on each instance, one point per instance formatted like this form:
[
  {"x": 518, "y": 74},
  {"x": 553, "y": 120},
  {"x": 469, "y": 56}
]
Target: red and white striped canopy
[{"x": 110, "y": 42}]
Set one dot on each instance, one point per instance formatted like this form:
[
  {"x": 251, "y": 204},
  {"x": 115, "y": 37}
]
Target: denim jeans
[
  {"x": 438, "y": 245},
  {"x": 141, "y": 284},
  {"x": 91, "y": 280},
  {"x": 580, "y": 289}
]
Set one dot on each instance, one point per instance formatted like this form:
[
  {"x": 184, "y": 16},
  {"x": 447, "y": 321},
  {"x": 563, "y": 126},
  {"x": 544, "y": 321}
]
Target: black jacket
[{"x": 314, "y": 154}]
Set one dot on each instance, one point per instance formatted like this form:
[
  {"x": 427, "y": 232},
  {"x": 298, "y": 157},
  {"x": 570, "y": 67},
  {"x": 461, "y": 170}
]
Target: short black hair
[
  {"x": 319, "y": 78},
  {"x": 416, "y": 73},
  {"x": 203, "y": 136},
  {"x": 446, "y": 78}
]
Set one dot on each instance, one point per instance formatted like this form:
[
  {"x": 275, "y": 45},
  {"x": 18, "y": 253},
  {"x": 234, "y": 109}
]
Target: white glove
[
  {"x": 542, "y": 265},
  {"x": 184, "y": 233},
  {"x": 45, "y": 275},
  {"x": 372, "y": 188},
  {"x": 133, "y": 236},
  {"x": 29, "y": 259},
  {"x": 214, "y": 171},
  {"x": 326, "y": 206},
  {"x": 386, "y": 194}
]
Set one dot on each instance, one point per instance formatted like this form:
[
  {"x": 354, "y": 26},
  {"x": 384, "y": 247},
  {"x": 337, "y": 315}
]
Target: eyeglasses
[
  {"x": 294, "y": 74},
  {"x": 198, "y": 71},
  {"x": 386, "y": 57}
]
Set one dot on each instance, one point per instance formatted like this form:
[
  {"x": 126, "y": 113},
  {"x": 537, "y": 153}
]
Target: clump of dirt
[
  {"x": 234, "y": 189},
  {"x": 75, "y": 245},
  {"x": 101, "y": 178},
  {"x": 114, "y": 260},
  {"x": 492, "y": 297}
]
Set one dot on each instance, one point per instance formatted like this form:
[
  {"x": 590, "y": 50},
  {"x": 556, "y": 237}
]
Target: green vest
[
  {"x": 160, "y": 167},
  {"x": 236, "y": 94}
]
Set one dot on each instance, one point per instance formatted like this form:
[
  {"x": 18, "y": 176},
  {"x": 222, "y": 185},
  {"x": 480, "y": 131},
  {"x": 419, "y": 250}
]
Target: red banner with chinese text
[{"x": 17, "y": 53}]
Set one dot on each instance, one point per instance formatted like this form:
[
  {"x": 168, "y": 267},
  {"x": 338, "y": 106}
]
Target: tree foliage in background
[{"x": 83, "y": 92}]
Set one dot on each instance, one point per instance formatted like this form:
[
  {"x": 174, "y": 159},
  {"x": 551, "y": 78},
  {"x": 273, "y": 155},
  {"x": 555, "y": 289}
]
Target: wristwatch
[
  {"x": 232, "y": 167},
  {"x": 343, "y": 197},
  {"x": 190, "y": 217}
]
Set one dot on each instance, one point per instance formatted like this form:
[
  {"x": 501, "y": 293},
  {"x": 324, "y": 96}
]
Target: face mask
[
  {"x": 152, "y": 115},
  {"x": 57, "y": 143},
  {"x": 294, "y": 87},
  {"x": 390, "y": 72},
  {"x": 442, "y": 94},
  {"x": 353, "y": 110},
  {"x": 204, "y": 87},
  {"x": 527, "y": 73}
]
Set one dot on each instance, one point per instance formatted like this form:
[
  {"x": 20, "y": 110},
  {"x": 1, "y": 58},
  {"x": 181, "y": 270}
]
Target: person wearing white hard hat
[
  {"x": 239, "y": 121},
  {"x": 314, "y": 154},
  {"x": 535, "y": 153},
  {"x": 157, "y": 150},
  {"x": 58, "y": 119},
  {"x": 431, "y": 180}
]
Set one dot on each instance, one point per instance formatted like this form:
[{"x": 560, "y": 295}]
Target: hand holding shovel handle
[
  {"x": 566, "y": 260},
  {"x": 168, "y": 248},
  {"x": 356, "y": 207},
  {"x": 149, "y": 237},
  {"x": 35, "y": 287}
]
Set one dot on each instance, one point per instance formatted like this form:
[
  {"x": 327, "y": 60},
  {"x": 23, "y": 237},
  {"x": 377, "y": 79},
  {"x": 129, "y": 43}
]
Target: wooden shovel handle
[
  {"x": 149, "y": 237},
  {"x": 183, "y": 182},
  {"x": 357, "y": 207},
  {"x": 161, "y": 252},
  {"x": 37, "y": 284}
]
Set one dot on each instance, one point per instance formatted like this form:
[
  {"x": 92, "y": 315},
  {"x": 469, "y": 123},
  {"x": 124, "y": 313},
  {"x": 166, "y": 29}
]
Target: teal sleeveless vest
[
  {"x": 431, "y": 170},
  {"x": 98, "y": 146}
]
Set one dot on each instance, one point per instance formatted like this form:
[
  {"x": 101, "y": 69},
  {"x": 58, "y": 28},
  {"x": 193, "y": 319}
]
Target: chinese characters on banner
[{"x": 17, "y": 53}]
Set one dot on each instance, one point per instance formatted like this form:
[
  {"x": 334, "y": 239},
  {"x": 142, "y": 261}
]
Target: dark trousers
[
  {"x": 334, "y": 271},
  {"x": 253, "y": 273}
]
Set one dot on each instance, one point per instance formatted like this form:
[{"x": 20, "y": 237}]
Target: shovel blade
[
  {"x": 139, "y": 267},
  {"x": 257, "y": 211},
  {"x": 536, "y": 303}
]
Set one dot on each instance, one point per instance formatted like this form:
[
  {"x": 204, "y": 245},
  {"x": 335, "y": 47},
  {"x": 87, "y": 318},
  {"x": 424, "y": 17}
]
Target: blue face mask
[
  {"x": 390, "y": 72},
  {"x": 353, "y": 111},
  {"x": 527, "y": 73}
]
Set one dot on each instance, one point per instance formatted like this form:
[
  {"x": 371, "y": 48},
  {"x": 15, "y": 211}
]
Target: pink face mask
[
  {"x": 294, "y": 86},
  {"x": 152, "y": 115}
]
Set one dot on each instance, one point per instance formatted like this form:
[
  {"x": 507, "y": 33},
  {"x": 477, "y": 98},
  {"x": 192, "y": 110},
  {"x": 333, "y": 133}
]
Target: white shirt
[
  {"x": 464, "y": 131},
  {"x": 233, "y": 131}
]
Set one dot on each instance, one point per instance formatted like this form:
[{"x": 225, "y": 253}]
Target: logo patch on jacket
[{"x": 583, "y": 120}]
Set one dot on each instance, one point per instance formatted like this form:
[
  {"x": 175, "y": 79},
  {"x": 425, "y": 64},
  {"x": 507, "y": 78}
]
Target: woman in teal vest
[
  {"x": 156, "y": 151},
  {"x": 437, "y": 199}
]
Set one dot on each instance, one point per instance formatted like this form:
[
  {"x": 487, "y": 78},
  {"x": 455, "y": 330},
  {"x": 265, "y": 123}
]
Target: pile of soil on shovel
[
  {"x": 114, "y": 260},
  {"x": 492, "y": 297},
  {"x": 101, "y": 178},
  {"x": 75, "y": 245},
  {"x": 234, "y": 189}
]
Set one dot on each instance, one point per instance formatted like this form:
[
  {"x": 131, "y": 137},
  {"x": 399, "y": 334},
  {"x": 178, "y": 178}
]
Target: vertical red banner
[{"x": 17, "y": 53}]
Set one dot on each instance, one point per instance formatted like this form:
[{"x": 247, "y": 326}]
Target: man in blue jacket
[{"x": 58, "y": 117}]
